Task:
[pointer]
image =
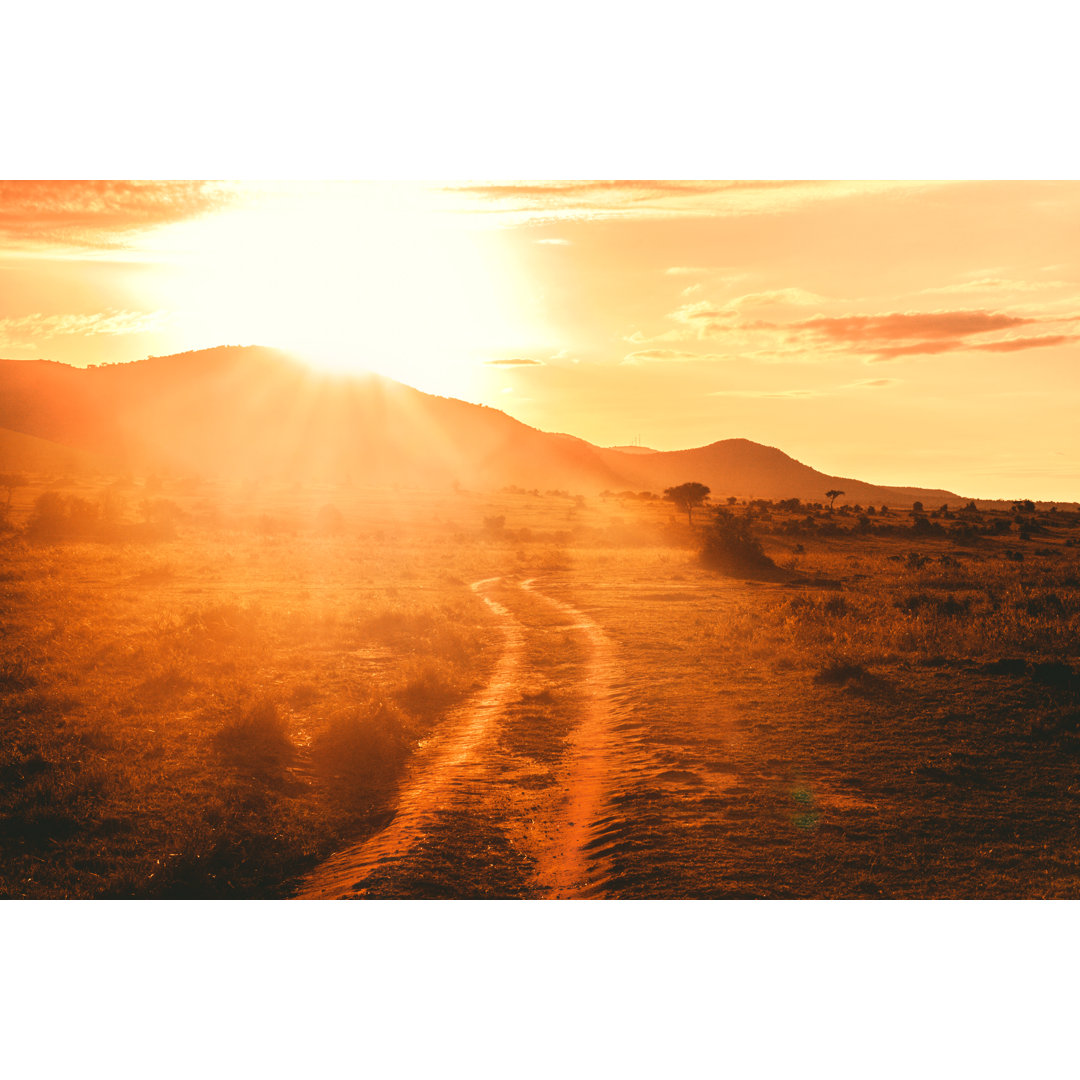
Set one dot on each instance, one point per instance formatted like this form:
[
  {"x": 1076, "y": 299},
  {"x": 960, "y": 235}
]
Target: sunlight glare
[{"x": 351, "y": 277}]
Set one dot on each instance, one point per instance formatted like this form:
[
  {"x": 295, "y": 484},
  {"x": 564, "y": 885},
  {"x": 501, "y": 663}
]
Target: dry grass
[
  {"x": 194, "y": 717},
  {"x": 212, "y": 713},
  {"x": 908, "y": 728}
]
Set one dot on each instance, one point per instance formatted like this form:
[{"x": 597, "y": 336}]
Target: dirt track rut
[{"x": 512, "y": 797}]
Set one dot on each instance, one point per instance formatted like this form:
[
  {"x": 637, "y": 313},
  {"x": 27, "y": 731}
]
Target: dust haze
[{"x": 270, "y": 634}]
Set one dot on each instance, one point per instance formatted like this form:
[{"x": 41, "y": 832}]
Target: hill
[
  {"x": 255, "y": 413},
  {"x": 21, "y": 453},
  {"x": 749, "y": 470},
  {"x": 633, "y": 449}
]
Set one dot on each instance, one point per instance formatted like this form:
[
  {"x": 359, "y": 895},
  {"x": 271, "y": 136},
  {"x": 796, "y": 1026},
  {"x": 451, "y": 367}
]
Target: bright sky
[{"x": 904, "y": 332}]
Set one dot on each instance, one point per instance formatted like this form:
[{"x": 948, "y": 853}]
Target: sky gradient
[{"x": 901, "y": 333}]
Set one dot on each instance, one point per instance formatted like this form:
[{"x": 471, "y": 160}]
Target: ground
[{"x": 259, "y": 691}]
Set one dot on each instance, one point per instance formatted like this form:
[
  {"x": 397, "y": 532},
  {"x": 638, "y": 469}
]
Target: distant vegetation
[
  {"x": 209, "y": 687},
  {"x": 732, "y": 547},
  {"x": 687, "y": 497}
]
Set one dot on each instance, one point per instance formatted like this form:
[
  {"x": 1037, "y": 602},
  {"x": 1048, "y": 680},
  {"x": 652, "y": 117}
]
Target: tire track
[
  {"x": 567, "y": 865},
  {"x": 480, "y": 794},
  {"x": 442, "y": 772}
]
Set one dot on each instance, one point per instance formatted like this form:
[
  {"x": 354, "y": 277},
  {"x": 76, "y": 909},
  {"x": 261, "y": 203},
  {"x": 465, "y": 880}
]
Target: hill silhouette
[{"x": 256, "y": 413}]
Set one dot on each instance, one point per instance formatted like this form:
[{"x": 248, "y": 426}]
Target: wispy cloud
[
  {"x": 1015, "y": 344},
  {"x": 99, "y": 213},
  {"x": 754, "y": 326},
  {"x": 861, "y": 384},
  {"x": 668, "y": 356},
  {"x": 703, "y": 318},
  {"x": 872, "y": 384},
  {"x": 556, "y": 240},
  {"x": 517, "y": 361},
  {"x": 30, "y": 329},
  {"x": 597, "y": 199},
  {"x": 919, "y": 324},
  {"x": 767, "y": 393},
  {"x": 1000, "y": 287},
  {"x": 687, "y": 271}
]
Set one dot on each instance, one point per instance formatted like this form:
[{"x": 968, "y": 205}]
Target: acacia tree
[
  {"x": 832, "y": 496},
  {"x": 687, "y": 496}
]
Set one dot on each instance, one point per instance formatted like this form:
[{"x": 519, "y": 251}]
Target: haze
[{"x": 902, "y": 332}]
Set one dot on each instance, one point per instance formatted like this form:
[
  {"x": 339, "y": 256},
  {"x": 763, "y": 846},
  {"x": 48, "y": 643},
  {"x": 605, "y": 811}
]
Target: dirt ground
[
  {"x": 631, "y": 748},
  {"x": 533, "y": 695}
]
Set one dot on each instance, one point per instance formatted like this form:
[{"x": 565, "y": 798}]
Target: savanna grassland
[{"x": 207, "y": 690}]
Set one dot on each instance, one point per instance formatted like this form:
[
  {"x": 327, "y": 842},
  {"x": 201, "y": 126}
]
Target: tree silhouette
[
  {"x": 11, "y": 481},
  {"x": 687, "y": 496},
  {"x": 832, "y": 496}
]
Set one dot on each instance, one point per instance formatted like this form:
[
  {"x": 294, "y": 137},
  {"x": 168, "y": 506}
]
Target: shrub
[
  {"x": 57, "y": 517},
  {"x": 732, "y": 547},
  {"x": 429, "y": 689},
  {"x": 920, "y": 603},
  {"x": 257, "y": 735},
  {"x": 850, "y": 676},
  {"x": 368, "y": 742},
  {"x": 840, "y": 673}
]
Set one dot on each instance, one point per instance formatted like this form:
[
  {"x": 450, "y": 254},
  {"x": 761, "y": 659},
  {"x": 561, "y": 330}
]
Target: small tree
[
  {"x": 832, "y": 496},
  {"x": 687, "y": 496}
]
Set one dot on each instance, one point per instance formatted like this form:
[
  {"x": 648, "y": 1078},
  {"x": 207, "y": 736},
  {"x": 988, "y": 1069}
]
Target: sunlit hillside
[{"x": 256, "y": 414}]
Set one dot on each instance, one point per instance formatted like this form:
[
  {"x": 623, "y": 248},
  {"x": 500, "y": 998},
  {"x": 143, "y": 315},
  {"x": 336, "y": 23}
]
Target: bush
[
  {"x": 61, "y": 517},
  {"x": 256, "y": 736},
  {"x": 369, "y": 742},
  {"x": 732, "y": 547}
]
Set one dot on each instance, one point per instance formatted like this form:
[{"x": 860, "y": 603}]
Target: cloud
[
  {"x": 707, "y": 317},
  {"x": 598, "y": 199},
  {"x": 99, "y": 213},
  {"x": 667, "y": 356},
  {"x": 767, "y": 393},
  {"x": 555, "y": 240},
  {"x": 928, "y": 333},
  {"x": 1015, "y": 344},
  {"x": 517, "y": 361},
  {"x": 862, "y": 384},
  {"x": 704, "y": 317},
  {"x": 771, "y": 327},
  {"x": 1000, "y": 285},
  {"x": 918, "y": 348},
  {"x": 872, "y": 384},
  {"x": 876, "y": 337},
  {"x": 908, "y": 325},
  {"x": 29, "y": 329}
]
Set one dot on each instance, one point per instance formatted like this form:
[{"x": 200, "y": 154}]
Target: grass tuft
[
  {"x": 367, "y": 743},
  {"x": 256, "y": 736}
]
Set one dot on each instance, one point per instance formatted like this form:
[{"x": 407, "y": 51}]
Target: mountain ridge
[{"x": 253, "y": 412}]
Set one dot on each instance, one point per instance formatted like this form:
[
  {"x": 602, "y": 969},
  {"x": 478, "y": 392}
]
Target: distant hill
[
  {"x": 749, "y": 470},
  {"x": 28, "y": 454},
  {"x": 255, "y": 413}
]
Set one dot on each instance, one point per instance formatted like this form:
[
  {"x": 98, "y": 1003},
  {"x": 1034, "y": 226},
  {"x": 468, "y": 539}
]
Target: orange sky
[{"x": 902, "y": 333}]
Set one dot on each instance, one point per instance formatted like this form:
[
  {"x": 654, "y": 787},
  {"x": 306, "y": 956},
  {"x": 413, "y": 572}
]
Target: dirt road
[{"x": 513, "y": 796}]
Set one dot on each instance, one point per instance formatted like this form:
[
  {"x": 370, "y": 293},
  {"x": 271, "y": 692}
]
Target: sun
[{"x": 350, "y": 277}]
